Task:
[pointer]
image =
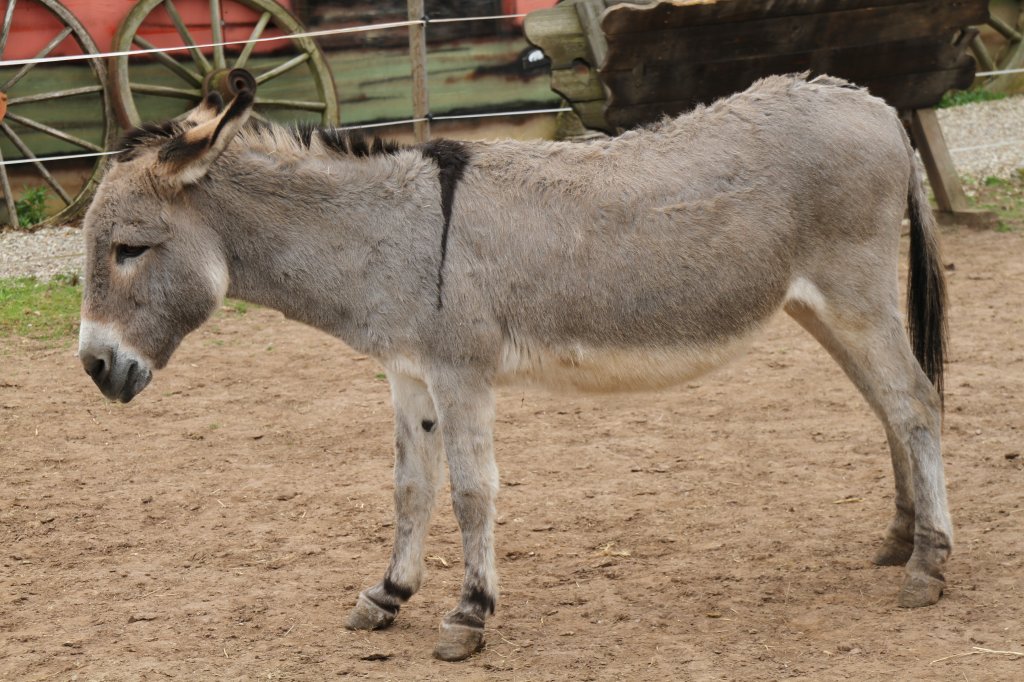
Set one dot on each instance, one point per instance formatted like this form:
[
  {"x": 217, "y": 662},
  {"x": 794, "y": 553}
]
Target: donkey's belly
[{"x": 588, "y": 368}]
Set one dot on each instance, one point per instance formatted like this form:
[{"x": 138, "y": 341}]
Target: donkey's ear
[
  {"x": 186, "y": 158},
  {"x": 211, "y": 107}
]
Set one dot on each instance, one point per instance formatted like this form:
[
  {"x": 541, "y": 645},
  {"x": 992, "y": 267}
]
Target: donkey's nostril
[{"x": 96, "y": 366}]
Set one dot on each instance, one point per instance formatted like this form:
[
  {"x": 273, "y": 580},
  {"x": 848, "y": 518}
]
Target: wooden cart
[{"x": 50, "y": 110}]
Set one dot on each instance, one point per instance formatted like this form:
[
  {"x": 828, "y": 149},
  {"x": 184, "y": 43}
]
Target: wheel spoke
[
  {"x": 290, "y": 104},
  {"x": 6, "y": 29},
  {"x": 57, "y": 94},
  {"x": 166, "y": 91},
  {"x": 218, "y": 35},
  {"x": 5, "y": 183},
  {"x": 169, "y": 61},
  {"x": 23, "y": 148},
  {"x": 981, "y": 52},
  {"x": 59, "y": 134},
  {"x": 197, "y": 56},
  {"x": 282, "y": 68},
  {"x": 42, "y": 53},
  {"x": 1007, "y": 31},
  {"x": 257, "y": 31}
]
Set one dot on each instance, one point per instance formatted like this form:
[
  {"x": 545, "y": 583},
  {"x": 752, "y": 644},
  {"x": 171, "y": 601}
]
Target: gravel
[
  {"x": 985, "y": 139},
  {"x": 42, "y": 254}
]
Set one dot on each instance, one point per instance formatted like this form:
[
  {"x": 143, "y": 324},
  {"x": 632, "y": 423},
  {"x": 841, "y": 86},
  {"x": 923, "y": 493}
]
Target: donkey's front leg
[
  {"x": 418, "y": 468},
  {"x": 466, "y": 408}
]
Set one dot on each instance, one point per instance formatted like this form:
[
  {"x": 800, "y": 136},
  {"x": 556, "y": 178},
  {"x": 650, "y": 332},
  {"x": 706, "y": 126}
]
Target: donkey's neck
[{"x": 331, "y": 242}]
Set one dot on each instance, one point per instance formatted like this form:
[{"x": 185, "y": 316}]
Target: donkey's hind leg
[
  {"x": 875, "y": 353},
  {"x": 418, "y": 467},
  {"x": 898, "y": 545}
]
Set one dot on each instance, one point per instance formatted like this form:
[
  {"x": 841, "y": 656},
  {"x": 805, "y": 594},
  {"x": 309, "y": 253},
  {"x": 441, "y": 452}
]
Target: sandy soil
[{"x": 221, "y": 525}]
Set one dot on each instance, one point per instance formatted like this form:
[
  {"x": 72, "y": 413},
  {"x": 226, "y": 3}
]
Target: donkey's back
[{"x": 645, "y": 259}]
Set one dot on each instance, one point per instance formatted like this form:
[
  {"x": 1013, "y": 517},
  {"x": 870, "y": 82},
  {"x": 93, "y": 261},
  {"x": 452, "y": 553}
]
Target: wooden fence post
[{"x": 418, "y": 57}]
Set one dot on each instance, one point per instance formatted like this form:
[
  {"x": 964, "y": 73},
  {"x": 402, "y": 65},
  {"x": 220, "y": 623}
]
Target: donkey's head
[{"x": 155, "y": 269}]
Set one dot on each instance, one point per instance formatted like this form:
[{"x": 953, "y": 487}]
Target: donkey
[{"x": 626, "y": 263}]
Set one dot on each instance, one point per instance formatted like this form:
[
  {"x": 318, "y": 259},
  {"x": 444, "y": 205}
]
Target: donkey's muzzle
[{"x": 118, "y": 378}]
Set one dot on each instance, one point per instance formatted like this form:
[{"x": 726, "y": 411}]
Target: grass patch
[
  {"x": 232, "y": 305},
  {"x": 1004, "y": 197},
  {"x": 955, "y": 98},
  {"x": 43, "y": 311}
]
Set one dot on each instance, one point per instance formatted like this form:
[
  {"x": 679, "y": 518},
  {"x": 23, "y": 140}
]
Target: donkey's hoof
[
  {"x": 458, "y": 641},
  {"x": 368, "y": 615},
  {"x": 893, "y": 552},
  {"x": 920, "y": 590}
]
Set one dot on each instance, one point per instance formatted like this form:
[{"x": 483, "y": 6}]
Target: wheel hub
[
  {"x": 3, "y": 105},
  {"x": 228, "y": 82}
]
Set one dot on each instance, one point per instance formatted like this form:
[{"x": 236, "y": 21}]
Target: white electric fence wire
[
  {"x": 304, "y": 34},
  {"x": 289, "y": 36},
  {"x": 47, "y": 159},
  {"x": 404, "y": 121},
  {"x": 452, "y": 117},
  {"x": 983, "y": 74},
  {"x": 358, "y": 29},
  {"x": 179, "y": 48},
  {"x": 1004, "y": 143}
]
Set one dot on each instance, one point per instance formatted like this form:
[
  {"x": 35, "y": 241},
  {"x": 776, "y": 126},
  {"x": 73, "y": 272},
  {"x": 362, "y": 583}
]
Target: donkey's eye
[{"x": 123, "y": 252}]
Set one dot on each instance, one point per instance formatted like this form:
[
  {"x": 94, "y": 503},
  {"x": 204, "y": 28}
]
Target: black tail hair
[{"x": 926, "y": 285}]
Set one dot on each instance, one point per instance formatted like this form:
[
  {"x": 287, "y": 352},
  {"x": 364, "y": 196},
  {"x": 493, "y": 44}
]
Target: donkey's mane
[
  {"x": 266, "y": 137},
  {"x": 137, "y": 139}
]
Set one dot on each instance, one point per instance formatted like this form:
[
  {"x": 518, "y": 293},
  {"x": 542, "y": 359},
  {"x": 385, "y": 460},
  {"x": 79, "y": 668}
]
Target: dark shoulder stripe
[{"x": 452, "y": 158}]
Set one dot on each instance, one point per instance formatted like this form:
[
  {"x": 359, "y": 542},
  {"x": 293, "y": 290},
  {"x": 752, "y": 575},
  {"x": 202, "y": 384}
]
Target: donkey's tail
[{"x": 926, "y": 284}]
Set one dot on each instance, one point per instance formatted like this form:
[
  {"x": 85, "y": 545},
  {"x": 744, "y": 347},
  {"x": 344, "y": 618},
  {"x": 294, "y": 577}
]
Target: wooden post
[
  {"x": 418, "y": 57},
  {"x": 949, "y": 193}
]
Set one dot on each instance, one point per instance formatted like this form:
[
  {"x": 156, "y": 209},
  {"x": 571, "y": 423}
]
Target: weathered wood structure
[
  {"x": 623, "y": 65},
  {"x": 48, "y": 110},
  {"x": 999, "y": 46}
]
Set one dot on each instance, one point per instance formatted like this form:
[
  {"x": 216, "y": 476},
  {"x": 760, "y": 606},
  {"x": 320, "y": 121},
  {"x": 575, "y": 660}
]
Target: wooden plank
[
  {"x": 577, "y": 84},
  {"x": 558, "y": 33},
  {"x": 922, "y": 90},
  {"x": 772, "y": 36},
  {"x": 627, "y": 18},
  {"x": 906, "y": 88},
  {"x": 592, "y": 114},
  {"x": 589, "y": 12},
  {"x": 373, "y": 85},
  {"x": 861, "y": 64}
]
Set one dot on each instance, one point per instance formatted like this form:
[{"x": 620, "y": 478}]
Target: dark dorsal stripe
[{"x": 451, "y": 158}]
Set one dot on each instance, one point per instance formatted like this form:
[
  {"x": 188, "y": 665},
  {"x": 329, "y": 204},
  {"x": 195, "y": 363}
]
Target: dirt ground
[{"x": 220, "y": 526}]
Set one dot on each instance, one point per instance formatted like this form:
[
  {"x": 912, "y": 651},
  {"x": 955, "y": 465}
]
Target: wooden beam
[
  {"x": 635, "y": 18},
  {"x": 945, "y": 182},
  {"x": 772, "y": 36},
  {"x": 589, "y": 12},
  {"x": 908, "y": 75}
]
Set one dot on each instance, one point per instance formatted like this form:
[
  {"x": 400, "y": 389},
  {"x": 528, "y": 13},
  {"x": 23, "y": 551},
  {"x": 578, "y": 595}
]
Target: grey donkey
[{"x": 627, "y": 263}]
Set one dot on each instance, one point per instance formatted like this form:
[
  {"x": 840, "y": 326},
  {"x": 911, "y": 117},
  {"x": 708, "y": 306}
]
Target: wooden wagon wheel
[
  {"x": 293, "y": 82},
  {"x": 1000, "y": 46},
  {"x": 51, "y": 109}
]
